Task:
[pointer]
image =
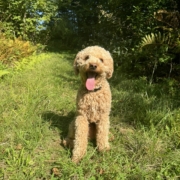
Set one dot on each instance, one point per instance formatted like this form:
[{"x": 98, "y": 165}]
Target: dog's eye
[
  {"x": 101, "y": 60},
  {"x": 86, "y": 58}
]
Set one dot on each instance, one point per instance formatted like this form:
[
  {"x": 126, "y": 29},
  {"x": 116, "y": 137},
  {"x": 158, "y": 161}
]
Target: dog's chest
[{"x": 94, "y": 104}]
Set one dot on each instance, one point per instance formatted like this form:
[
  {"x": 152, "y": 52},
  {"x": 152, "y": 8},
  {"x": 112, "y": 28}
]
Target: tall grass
[{"x": 38, "y": 104}]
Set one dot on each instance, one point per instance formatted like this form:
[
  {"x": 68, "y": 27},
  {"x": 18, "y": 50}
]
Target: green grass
[{"x": 38, "y": 104}]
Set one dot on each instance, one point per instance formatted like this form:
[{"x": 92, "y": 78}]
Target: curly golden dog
[{"x": 94, "y": 65}]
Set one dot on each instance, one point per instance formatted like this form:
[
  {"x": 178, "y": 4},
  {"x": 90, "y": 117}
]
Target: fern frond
[
  {"x": 148, "y": 40},
  {"x": 155, "y": 39}
]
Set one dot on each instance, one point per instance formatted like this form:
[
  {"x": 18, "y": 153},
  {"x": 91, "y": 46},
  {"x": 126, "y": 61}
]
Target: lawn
[{"x": 38, "y": 103}]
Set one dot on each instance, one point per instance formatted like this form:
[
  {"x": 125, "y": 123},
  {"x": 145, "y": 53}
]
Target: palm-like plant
[
  {"x": 163, "y": 44},
  {"x": 156, "y": 39}
]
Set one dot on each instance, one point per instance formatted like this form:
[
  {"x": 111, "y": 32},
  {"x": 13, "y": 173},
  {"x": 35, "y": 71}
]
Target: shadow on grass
[
  {"x": 59, "y": 121},
  {"x": 137, "y": 102}
]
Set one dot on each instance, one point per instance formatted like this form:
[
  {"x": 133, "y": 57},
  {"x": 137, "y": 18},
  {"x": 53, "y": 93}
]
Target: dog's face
[{"x": 93, "y": 64}]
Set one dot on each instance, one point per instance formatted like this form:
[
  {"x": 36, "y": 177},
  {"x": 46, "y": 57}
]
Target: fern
[
  {"x": 14, "y": 50},
  {"x": 155, "y": 39}
]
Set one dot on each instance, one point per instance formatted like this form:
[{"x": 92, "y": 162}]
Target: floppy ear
[
  {"x": 76, "y": 70},
  {"x": 110, "y": 68},
  {"x": 109, "y": 73}
]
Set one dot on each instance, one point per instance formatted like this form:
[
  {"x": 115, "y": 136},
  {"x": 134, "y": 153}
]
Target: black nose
[{"x": 92, "y": 66}]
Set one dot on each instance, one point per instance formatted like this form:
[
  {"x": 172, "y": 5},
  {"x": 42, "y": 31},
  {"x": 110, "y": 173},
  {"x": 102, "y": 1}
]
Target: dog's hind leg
[
  {"x": 69, "y": 140},
  {"x": 81, "y": 138}
]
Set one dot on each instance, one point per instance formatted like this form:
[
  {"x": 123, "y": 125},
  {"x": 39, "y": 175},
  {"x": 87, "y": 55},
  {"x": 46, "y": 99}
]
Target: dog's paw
[
  {"x": 75, "y": 159},
  {"x": 104, "y": 148},
  {"x": 69, "y": 143}
]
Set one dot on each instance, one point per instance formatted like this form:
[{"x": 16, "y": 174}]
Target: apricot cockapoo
[{"x": 94, "y": 65}]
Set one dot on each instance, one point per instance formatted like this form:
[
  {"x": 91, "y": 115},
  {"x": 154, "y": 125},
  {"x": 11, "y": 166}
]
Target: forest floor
[{"x": 37, "y": 105}]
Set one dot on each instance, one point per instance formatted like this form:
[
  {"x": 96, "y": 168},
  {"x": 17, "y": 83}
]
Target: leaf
[{"x": 155, "y": 39}]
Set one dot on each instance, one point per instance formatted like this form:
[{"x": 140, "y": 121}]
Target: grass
[{"x": 38, "y": 104}]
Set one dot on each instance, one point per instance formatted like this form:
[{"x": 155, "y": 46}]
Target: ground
[{"x": 38, "y": 104}]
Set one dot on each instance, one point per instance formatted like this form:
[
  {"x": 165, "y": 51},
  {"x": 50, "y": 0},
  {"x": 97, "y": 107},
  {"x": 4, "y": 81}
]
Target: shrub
[{"x": 12, "y": 50}]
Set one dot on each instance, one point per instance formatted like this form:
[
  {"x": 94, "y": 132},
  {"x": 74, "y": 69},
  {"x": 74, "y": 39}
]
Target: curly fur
[{"x": 93, "y": 106}]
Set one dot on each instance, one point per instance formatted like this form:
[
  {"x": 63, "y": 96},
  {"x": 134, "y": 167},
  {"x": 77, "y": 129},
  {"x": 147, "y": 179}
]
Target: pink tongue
[{"x": 90, "y": 83}]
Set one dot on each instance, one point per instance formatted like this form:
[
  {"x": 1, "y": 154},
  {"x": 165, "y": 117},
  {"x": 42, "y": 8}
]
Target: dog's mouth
[{"x": 90, "y": 81}]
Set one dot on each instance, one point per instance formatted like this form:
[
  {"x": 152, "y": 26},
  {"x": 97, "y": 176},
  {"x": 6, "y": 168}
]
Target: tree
[{"x": 26, "y": 18}]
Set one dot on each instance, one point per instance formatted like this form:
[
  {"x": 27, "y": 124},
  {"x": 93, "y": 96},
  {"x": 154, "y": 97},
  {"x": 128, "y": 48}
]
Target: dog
[{"x": 94, "y": 65}]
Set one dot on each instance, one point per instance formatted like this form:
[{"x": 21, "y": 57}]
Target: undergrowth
[
  {"x": 14, "y": 49},
  {"x": 15, "y": 53}
]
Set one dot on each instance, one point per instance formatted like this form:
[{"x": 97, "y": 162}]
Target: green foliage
[
  {"x": 156, "y": 46},
  {"x": 63, "y": 35},
  {"x": 162, "y": 47},
  {"x": 132, "y": 26},
  {"x": 156, "y": 51},
  {"x": 27, "y": 18},
  {"x": 143, "y": 36}
]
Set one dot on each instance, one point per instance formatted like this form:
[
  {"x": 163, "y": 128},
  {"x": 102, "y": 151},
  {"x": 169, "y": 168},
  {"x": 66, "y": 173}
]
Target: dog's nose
[{"x": 92, "y": 66}]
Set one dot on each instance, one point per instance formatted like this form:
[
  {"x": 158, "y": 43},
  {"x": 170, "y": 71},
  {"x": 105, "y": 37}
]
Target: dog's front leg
[
  {"x": 81, "y": 138},
  {"x": 102, "y": 133}
]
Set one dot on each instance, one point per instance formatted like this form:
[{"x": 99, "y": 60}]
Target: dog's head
[{"x": 93, "y": 64}]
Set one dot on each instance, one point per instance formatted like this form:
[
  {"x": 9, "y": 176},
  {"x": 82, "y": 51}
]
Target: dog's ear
[
  {"x": 110, "y": 68},
  {"x": 109, "y": 73},
  {"x": 75, "y": 65}
]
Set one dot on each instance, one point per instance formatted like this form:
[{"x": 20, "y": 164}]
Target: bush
[{"x": 14, "y": 50}]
